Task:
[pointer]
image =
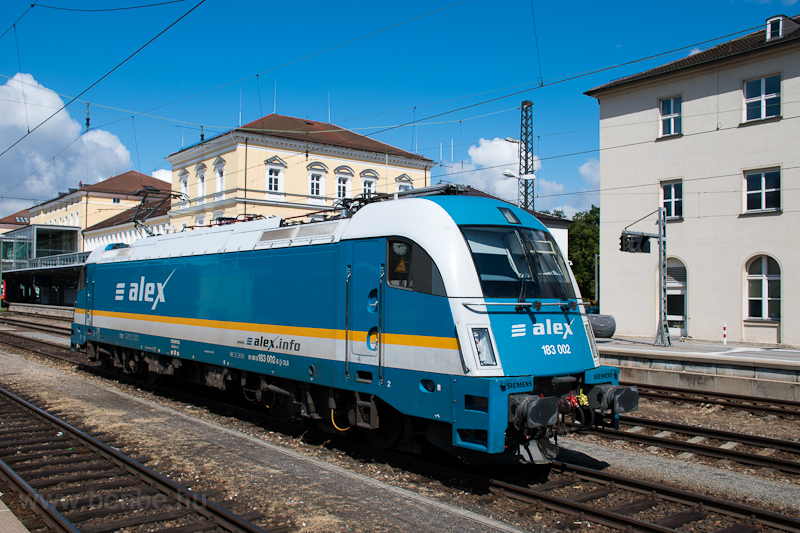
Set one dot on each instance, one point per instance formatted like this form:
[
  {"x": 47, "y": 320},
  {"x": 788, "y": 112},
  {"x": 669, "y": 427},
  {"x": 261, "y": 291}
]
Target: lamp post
[{"x": 526, "y": 184}]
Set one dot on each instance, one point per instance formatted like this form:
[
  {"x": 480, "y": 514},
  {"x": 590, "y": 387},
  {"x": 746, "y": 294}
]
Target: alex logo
[
  {"x": 546, "y": 328},
  {"x": 143, "y": 291},
  {"x": 274, "y": 344}
]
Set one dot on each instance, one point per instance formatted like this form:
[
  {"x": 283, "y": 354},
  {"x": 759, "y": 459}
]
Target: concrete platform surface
[
  {"x": 686, "y": 349},
  {"x": 9, "y": 522}
]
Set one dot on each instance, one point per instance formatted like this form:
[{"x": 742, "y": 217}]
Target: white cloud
[
  {"x": 590, "y": 172},
  {"x": 163, "y": 175},
  {"x": 489, "y": 158},
  {"x": 694, "y": 51},
  {"x": 107, "y": 156}
]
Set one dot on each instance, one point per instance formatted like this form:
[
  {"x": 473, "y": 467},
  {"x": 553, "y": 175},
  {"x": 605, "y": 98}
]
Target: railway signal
[{"x": 635, "y": 242}]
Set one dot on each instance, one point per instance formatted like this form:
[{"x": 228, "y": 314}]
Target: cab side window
[{"x": 410, "y": 267}]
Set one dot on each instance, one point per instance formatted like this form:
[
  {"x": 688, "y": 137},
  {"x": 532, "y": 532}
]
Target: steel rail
[
  {"x": 198, "y": 502},
  {"x": 744, "y": 512},
  {"x": 747, "y": 403},
  {"x": 58, "y": 330},
  {"x": 718, "y": 434},
  {"x": 35, "y": 350},
  {"x": 588, "y": 512},
  {"x": 784, "y": 465},
  {"x": 41, "y": 507}
]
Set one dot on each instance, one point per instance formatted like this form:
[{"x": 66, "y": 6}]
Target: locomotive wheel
[{"x": 389, "y": 430}]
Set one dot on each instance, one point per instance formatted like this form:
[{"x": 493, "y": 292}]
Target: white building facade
[{"x": 714, "y": 139}]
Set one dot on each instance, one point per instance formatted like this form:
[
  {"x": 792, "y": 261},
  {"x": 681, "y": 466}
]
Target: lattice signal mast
[{"x": 525, "y": 194}]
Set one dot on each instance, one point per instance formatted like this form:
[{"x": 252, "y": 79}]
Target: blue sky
[{"x": 463, "y": 54}]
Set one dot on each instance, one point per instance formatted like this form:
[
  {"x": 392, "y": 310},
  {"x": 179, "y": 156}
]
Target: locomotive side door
[{"x": 364, "y": 303}]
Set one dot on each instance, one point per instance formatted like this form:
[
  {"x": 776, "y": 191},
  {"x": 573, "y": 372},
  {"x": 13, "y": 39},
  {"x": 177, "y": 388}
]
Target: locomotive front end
[{"x": 534, "y": 366}]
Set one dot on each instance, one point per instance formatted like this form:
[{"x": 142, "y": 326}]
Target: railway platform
[
  {"x": 767, "y": 372},
  {"x": 8, "y": 522}
]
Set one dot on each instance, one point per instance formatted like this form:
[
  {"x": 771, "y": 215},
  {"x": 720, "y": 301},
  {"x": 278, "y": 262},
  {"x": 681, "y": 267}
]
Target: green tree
[{"x": 584, "y": 241}]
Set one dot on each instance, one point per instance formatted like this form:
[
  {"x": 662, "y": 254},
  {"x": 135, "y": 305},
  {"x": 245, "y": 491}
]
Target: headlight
[{"x": 483, "y": 345}]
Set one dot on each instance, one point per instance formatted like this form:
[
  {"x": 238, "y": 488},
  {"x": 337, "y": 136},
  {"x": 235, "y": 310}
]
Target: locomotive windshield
[{"x": 518, "y": 263}]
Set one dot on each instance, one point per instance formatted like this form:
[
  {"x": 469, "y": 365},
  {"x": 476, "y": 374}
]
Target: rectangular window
[
  {"x": 763, "y": 190},
  {"x": 220, "y": 180},
  {"x": 315, "y": 184},
  {"x": 341, "y": 188},
  {"x": 774, "y": 30},
  {"x": 272, "y": 181},
  {"x": 671, "y": 116},
  {"x": 673, "y": 199},
  {"x": 762, "y": 98},
  {"x": 368, "y": 186}
]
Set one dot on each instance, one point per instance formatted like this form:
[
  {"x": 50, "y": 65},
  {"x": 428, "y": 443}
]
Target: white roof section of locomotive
[
  {"x": 429, "y": 225},
  {"x": 240, "y": 237}
]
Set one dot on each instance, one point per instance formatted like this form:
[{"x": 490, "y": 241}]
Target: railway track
[
  {"x": 75, "y": 483},
  {"x": 773, "y": 454},
  {"x": 578, "y": 494},
  {"x": 619, "y": 502},
  {"x": 782, "y": 408},
  {"x": 56, "y": 330}
]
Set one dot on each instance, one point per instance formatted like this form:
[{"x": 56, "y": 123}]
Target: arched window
[
  {"x": 219, "y": 175},
  {"x": 676, "y": 297},
  {"x": 764, "y": 288},
  {"x": 344, "y": 175},
  {"x": 316, "y": 183},
  {"x": 276, "y": 167},
  {"x": 369, "y": 181},
  {"x": 404, "y": 183},
  {"x": 183, "y": 177},
  {"x": 200, "y": 170}
]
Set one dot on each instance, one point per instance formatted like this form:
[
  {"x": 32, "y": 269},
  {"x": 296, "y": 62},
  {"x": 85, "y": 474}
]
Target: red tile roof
[
  {"x": 299, "y": 129},
  {"x": 22, "y": 218},
  {"x": 750, "y": 43},
  {"x": 127, "y": 183},
  {"x": 126, "y": 217}
]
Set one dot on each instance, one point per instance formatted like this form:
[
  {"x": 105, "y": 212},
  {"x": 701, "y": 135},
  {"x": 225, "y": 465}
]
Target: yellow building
[
  {"x": 288, "y": 167},
  {"x": 93, "y": 204}
]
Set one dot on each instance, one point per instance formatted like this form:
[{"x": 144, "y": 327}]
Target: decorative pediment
[
  {"x": 219, "y": 162},
  {"x": 403, "y": 178},
  {"x": 317, "y": 167},
  {"x": 344, "y": 169},
  {"x": 276, "y": 161},
  {"x": 183, "y": 175},
  {"x": 200, "y": 167},
  {"x": 369, "y": 173}
]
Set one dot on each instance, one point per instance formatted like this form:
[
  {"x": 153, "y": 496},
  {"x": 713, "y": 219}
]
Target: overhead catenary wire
[
  {"x": 308, "y": 56},
  {"x": 419, "y": 122},
  {"x": 568, "y": 78},
  {"x": 111, "y": 8},
  {"x": 20, "y": 18},
  {"x": 201, "y": 2}
]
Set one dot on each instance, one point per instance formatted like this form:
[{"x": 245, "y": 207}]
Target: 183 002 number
[{"x": 553, "y": 349}]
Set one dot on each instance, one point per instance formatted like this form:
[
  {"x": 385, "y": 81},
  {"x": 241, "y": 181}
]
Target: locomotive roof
[{"x": 410, "y": 218}]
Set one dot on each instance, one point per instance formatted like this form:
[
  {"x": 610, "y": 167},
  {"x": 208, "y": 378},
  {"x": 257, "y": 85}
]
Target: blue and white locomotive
[{"x": 440, "y": 315}]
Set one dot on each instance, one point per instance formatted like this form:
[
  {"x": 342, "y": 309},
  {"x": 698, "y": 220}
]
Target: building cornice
[
  {"x": 747, "y": 56},
  {"x": 232, "y": 141}
]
